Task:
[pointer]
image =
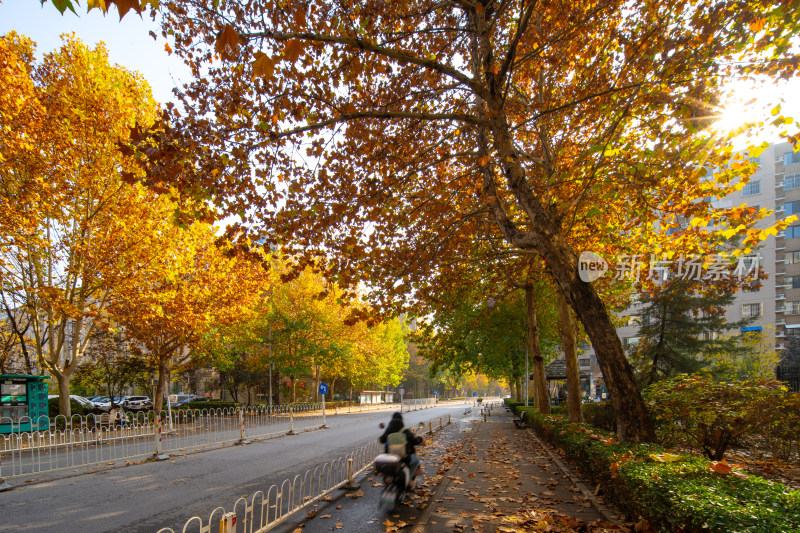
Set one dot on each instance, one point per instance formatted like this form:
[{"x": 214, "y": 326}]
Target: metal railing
[
  {"x": 85, "y": 441},
  {"x": 266, "y": 510}
]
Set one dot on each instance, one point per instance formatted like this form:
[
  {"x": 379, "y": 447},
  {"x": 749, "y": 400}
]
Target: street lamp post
[{"x": 270, "y": 369}]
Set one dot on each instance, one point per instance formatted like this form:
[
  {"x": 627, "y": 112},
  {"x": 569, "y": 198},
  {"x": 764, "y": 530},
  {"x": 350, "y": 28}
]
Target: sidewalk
[
  {"x": 505, "y": 480},
  {"x": 480, "y": 477}
]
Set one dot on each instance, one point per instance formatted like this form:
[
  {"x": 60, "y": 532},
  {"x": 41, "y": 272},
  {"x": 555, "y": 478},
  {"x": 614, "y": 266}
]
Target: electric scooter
[{"x": 397, "y": 477}]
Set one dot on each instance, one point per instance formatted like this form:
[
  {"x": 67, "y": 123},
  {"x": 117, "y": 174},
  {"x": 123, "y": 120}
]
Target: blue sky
[{"x": 128, "y": 41}]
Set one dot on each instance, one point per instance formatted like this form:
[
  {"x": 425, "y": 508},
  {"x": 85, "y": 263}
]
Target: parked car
[
  {"x": 85, "y": 403},
  {"x": 137, "y": 403},
  {"x": 104, "y": 404},
  {"x": 177, "y": 400}
]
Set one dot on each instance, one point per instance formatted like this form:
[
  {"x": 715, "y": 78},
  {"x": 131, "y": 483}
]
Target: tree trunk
[
  {"x": 64, "y": 407},
  {"x": 330, "y": 391},
  {"x": 566, "y": 328},
  {"x": 548, "y": 238},
  {"x": 163, "y": 383},
  {"x": 633, "y": 419},
  {"x": 535, "y": 351},
  {"x": 293, "y": 395}
]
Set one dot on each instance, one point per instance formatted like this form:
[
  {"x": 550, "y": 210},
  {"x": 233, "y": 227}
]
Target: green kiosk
[{"x": 23, "y": 398}]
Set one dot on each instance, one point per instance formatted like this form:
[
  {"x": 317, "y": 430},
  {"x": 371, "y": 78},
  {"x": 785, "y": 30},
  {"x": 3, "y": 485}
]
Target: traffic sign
[
  {"x": 474, "y": 393},
  {"x": 323, "y": 388},
  {"x": 436, "y": 393}
]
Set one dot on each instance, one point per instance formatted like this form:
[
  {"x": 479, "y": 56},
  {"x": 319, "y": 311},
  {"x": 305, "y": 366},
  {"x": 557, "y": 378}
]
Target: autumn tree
[
  {"x": 486, "y": 336},
  {"x": 111, "y": 366},
  {"x": 193, "y": 286},
  {"x": 76, "y": 231},
  {"x": 385, "y": 130}
]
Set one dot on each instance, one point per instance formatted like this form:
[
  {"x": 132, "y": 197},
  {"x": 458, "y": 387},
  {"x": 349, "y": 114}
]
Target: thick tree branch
[
  {"x": 348, "y": 117},
  {"x": 369, "y": 46}
]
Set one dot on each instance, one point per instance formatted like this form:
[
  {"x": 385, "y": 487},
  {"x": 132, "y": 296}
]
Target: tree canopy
[{"x": 380, "y": 134}]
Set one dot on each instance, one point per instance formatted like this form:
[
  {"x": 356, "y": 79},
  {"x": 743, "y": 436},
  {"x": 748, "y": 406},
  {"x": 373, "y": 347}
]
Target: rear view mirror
[{"x": 421, "y": 425}]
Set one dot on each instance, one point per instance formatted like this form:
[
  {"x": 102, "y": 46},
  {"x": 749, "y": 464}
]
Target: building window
[
  {"x": 792, "y": 307},
  {"x": 791, "y": 181},
  {"x": 792, "y": 232},
  {"x": 634, "y": 320},
  {"x": 793, "y": 258},
  {"x": 794, "y": 281},
  {"x": 792, "y": 208},
  {"x": 584, "y": 361},
  {"x": 754, "y": 187},
  {"x": 791, "y": 157},
  {"x": 630, "y": 341},
  {"x": 752, "y": 310},
  {"x": 711, "y": 335}
]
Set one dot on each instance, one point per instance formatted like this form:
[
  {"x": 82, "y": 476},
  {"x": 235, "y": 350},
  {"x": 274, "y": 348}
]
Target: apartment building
[{"x": 775, "y": 305}]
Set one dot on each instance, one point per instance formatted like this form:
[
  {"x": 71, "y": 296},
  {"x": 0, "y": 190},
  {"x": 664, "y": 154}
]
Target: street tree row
[{"x": 86, "y": 248}]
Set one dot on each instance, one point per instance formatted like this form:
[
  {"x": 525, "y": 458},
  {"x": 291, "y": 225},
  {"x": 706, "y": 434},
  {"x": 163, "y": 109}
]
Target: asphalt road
[{"x": 146, "y": 497}]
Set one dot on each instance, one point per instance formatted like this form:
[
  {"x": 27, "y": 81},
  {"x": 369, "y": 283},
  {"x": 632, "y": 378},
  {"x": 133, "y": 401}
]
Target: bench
[
  {"x": 519, "y": 423},
  {"x": 102, "y": 421}
]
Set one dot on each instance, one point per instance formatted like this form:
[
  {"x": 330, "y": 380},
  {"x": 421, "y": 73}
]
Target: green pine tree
[{"x": 682, "y": 321}]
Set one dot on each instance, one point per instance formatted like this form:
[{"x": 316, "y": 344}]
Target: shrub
[
  {"x": 674, "y": 492},
  {"x": 600, "y": 415},
  {"x": 709, "y": 415},
  {"x": 75, "y": 407},
  {"x": 209, "y": 405},
  {"x": 779, "y": 432}
]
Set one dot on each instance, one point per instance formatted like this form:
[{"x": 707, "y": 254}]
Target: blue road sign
[
  {"x": 474, "y": 393},
  {"x": 436, "y": 393},
  {"x": 323, "y": 388}
]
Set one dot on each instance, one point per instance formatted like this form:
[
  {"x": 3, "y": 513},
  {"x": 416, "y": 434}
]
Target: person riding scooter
[{"x": 394, "y": 434}]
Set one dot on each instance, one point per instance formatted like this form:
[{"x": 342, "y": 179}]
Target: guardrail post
[
  {"x": 291, "y": 420},
  {"x": 227, "y": 524},
  {"x": 159, "y": 455},
  {"x": 3, "y": 485},
  {"x": 448, "y": 420},
  {"x": 351, "y": 482},
  {"x": 241, "y": 440}
]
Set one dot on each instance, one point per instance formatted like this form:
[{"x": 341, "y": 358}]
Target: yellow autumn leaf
[{"x": 664, "y": 457}]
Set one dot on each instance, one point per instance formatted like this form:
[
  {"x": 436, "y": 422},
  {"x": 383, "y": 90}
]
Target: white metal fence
[
  {"x": 86, "y": 441},
  {"x": 265, "y": 510}
]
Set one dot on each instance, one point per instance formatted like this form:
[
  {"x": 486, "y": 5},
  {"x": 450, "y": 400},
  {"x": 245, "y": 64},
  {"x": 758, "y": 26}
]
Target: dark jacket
[{"x": 396, "y": 425}]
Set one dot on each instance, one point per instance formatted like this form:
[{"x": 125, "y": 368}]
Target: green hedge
[
  {"x": 681, "y": 494},
  {"x": 75, "y": 407}
]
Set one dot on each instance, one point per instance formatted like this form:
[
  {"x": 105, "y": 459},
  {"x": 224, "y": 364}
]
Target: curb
[{"x": 422, "y": 521}]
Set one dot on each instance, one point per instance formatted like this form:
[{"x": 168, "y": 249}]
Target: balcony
[
  {"x": 780, "y": 296},
  {"x": 779, "y": 309},
  {"x": 779, "y": 346},
  {"x": 780, "y": 335},
  {"x": 780, "y": 322}
]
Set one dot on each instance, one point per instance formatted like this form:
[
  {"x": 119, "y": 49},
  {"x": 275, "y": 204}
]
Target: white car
[
  {"x": 136, "y": 403},
  {"x": 104, "y": 403},
  {"x": 86, "y": 404}
]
